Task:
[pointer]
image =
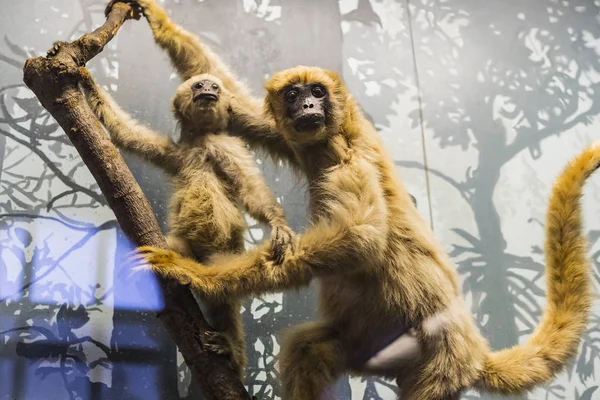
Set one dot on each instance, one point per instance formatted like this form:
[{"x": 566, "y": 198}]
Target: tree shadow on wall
[{"x": 531, "y": 63}]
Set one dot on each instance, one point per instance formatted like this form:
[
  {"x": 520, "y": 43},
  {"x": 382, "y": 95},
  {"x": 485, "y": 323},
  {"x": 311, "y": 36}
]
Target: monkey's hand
[
  {"x": 137, "y": 9},
  {"x": 167, "y": 263},
  {"x": 282, "y": 241}
]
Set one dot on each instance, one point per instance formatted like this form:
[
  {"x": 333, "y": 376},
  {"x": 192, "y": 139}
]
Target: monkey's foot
[
  {"x": 55, "y": 47},
  {"x": 137, "y": 9},
  {"x": 217, "y": 343}
]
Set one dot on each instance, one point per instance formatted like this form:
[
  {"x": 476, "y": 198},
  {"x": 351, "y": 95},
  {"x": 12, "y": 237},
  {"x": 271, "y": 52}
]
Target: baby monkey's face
[
  {"x": 201, "y": 101},
  {"x": 205, "y": 93}
]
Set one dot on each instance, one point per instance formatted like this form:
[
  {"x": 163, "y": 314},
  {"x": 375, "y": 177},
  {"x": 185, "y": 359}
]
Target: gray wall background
[{"x": 481, "y": 103}]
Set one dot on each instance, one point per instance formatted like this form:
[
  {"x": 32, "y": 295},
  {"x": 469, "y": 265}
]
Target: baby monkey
[{"x": 211, "y": 172}]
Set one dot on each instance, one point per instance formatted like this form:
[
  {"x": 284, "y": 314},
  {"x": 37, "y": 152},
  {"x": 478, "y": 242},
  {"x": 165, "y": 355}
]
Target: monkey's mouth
[
  {"x": 209, "y": 97},
  {"x": 309, "y": 122}
]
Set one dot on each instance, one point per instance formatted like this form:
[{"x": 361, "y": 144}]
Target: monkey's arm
[
  {"x": 249, "y": 122},
  {"x": 350, "y": 234},
  {"x": 188, "y": 54},
  {"x": 261, "y": 204},
  {"x": 125, "y": 132}
]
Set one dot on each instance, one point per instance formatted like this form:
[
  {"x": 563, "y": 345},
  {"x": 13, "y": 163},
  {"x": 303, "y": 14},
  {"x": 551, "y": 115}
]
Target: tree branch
[
  {"x": 54, "y": 80},
  {"x": 59, "y": 174}
]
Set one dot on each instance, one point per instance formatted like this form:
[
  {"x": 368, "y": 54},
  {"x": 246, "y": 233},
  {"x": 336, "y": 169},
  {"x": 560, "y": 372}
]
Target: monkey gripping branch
[{"x": 54, "y": 80}]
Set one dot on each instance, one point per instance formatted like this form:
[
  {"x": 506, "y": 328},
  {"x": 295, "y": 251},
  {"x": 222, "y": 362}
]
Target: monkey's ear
[{"x": 176, "y": 108}]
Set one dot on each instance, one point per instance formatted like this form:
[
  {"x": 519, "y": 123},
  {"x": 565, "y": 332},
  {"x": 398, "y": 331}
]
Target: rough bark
[{"x": 54, "y": 80}]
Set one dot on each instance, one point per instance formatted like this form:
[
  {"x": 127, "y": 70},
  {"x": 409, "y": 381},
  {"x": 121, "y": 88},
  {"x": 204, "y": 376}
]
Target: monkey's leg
[
  {"x": 446, "y": 368},
  {"x": 228, "y": 336},
  {"x": 311, "y": 360},
  {"x": 434, "y": 383},
  {"x": 401, "y": 353}
]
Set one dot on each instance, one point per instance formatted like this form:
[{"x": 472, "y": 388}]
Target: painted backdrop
[{"x": 481, "y": 103}]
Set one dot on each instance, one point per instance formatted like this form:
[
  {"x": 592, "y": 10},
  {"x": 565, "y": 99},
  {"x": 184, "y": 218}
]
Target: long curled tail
[{"x": 556, "y": 339}]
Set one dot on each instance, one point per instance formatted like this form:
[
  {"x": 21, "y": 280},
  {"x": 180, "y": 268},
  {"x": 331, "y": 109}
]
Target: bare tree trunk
[{"x": 54, "y": 80}]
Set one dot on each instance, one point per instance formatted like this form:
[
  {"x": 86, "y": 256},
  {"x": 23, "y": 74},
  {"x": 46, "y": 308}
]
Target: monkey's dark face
[
  {"x": 206, "y": 92},
  {"x": 202, "y": 102},
  {"x": 307, "y": 106}
]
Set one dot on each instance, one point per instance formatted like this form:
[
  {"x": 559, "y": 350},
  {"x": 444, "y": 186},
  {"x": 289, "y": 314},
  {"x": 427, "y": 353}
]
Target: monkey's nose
[{"x": 308, "y": 106}]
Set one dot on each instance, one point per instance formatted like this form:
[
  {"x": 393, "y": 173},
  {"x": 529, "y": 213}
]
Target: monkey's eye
[
  {"x": 198, "y": 85},
  {"x": 292, "y": 96},
  {"x": 215, "y": 86},
  {"x": 318, "y": 91}
]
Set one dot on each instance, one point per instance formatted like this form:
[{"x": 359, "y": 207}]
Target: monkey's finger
[
  {"x": 285, "y": 240},
  {"x": 138, "y": 11},
  {"x": 148, "y": 253},
  {"x": 109, "y": 7},
  {"x": 136, "y": 257},
  {"x": 293, "y": 243},
  {"x": 276, "y": 244},
  {"x": 151, "y": 250},
  {"x": 145, "y": 256},
  {"x": 288, "y": 237},
  {"x": 131, "y": 253},
  {"x": 145, "y": 249},
  {"x": 215, "y": 338},
  {"x": 135, "y": 254},
  {"x": 55, "y": 47},
  {"x": 134, "y": 271},
  {"x": 284, "y": 250},
  {"x": 136, "y": 261},
  {"x": 275, "y": 234},
  {"x": 136, "y": 8},
  {"x": 279, "y": 252},
  {"x": 137, "y": 14},
  {"x": 275, "y": 252},
  {"x": 280, "y": 258}
]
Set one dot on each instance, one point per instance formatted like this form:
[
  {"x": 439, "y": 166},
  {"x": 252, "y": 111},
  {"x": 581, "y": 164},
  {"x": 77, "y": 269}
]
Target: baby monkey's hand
[
  {"x": 135, "y": 6},
  {"x": 282, "y": 240}
]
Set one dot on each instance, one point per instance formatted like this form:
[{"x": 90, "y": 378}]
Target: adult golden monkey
[{"x": 381, "y": 271}]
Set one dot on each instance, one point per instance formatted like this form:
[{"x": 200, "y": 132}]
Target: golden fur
[
  {"x": 381, "y": 270},
  {"x": 211, "y": 172},
  {"x": 379, "y": 267}
]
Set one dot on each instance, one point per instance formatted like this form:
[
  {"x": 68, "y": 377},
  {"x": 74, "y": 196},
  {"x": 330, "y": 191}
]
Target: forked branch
[{"x": 54, "y": 80}]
